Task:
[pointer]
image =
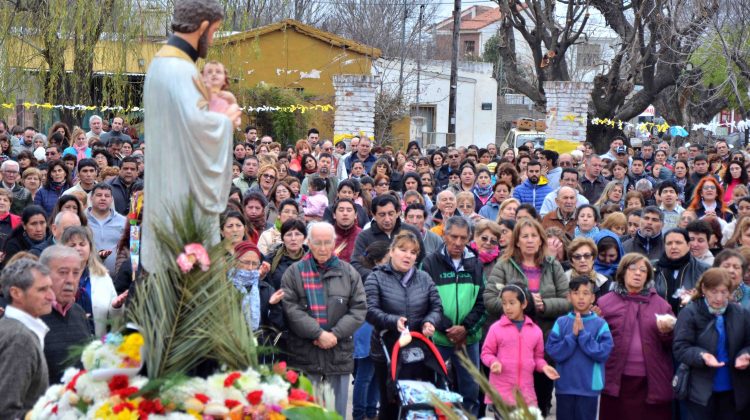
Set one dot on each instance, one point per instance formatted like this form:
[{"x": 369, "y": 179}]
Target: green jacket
[
  {"x": 553, "y": 287},
  {"x": 460, "y": 292}
]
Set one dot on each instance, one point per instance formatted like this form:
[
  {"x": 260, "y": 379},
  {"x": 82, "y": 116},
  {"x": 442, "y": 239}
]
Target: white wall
[{"x": 475, "y": 86}]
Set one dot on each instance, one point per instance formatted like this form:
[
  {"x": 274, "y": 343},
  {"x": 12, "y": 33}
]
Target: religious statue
[{"x": 189, "y": 146}]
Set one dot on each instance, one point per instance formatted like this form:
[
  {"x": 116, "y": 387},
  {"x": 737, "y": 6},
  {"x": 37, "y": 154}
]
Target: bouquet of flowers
[{"x": 267, "y": 393}]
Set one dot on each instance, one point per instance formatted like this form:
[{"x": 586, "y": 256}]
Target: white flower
[
  {"x": 185, "y": 390},
  {"x": 273, "y": 394},
  {"x": 90, "y": 390},
  {"x": 89, "y": 354},
  {"x": 69, "y": 374}
]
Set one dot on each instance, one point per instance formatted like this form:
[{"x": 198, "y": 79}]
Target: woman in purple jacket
[{"x": 638, "y": 373}]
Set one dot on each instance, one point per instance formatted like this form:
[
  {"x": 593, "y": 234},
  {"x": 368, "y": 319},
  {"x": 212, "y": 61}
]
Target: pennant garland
[
  {"x": 265, "y": 108},
  {"x": 646, "y": 127}
]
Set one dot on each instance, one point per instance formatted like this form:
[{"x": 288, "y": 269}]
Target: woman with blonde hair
[
  {"x": 613, "y": 194},
  {"x": 80, "y": 147},
  {"x": 525, "y": 264},
  {"x": 267, "y": 177},
  {"x": 508, "y": 209},
  {"x": 32, "y": 180},
  {"x": 616, "y": 222},
  {"x": 741, "y": 235},
  {"x": 97, "y": 293}
]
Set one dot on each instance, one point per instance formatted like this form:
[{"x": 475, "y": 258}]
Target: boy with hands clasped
[{"x": 580, "y": 343}]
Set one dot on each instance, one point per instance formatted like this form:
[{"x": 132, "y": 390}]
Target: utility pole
[
  {"x": 454, "y": 68},
  {"x": 403, "y": 42},
  {"x": 419, "y": 49}
]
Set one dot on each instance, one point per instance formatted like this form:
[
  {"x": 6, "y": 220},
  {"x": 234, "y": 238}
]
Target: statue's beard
[{"x": 203, "y": 45}]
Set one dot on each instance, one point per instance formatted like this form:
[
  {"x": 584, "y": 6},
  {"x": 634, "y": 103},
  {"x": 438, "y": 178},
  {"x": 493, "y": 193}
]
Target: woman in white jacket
[{"x": 97, "y": 293}]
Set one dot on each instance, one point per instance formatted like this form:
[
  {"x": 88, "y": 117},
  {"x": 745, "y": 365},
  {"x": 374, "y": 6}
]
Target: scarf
[
  {"x": 715, "y": 311},
  {"x": 620, "y": 289},
  {"x": 672, "y": 265},
  {"x": 56, "y": 186},
  {"x": 283, "y": 251},
  {"x": 590, "y": 234},
  {"x": 485, "y": 257},
  {"x": 483, "y": 193},
  {"x": 81, "y": 151},
  {"x": 407, "y": 276},
  {"x": 258, "y": 224},
  {"x": 312, "y": 282},
  {"x": 246, "y": 281},
  {"x": 345, "y": 239},
  {"x": 681, "y": 183}
]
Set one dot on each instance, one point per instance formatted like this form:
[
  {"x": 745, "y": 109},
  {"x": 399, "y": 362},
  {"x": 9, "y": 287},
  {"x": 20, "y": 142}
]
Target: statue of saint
[{"x": 189, "y": 147}]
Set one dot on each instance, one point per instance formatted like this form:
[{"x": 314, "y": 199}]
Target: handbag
[{"x": 681, "y": 382}]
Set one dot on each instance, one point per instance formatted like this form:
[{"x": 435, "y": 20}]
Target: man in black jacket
[{"x": 386, "y": 223}]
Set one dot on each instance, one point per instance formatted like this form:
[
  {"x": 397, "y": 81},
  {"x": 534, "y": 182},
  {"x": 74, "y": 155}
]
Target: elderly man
[
  {"x": 95, "y": 123},
  {"x": 446, "y": 205},
  {"x": 569, "y": 178},
  {"x": 648, "y": 239},
  {"x": 62, "y": 221},
  {"x": 564, "y": 216},
  {"x": 385, "y": 224},
  {"x": 457, "y": 272},
  {"x": 21, "y": 196},
  {"x": 342, "y": 171},
  {"x": 453, "y": 162},
  {"x": 324, "y": 303},
  {"x": 68, "y": 325},
  {"x": 28, "y": 288},
  {"x": 361, "y": 154}
]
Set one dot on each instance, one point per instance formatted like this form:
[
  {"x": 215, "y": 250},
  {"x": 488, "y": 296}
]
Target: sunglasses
[
  {"x": 492, "y": 241},
  {"x": 579, "y": 257},
  {"x": 269, "y": 176},
  {"x": 382, "y": 184}
]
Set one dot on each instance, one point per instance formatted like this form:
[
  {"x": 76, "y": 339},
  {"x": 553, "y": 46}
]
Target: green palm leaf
[{"x": 188, "y": 318}]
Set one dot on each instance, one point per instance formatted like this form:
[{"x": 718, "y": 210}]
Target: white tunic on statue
[{"x": 189, "y": 148}]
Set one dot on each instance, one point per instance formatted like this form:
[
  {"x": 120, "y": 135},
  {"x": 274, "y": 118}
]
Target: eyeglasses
[
  {"x": 709, "y": 187},
  {"x": 492, "y": 241},
  {"x": 269, "y": 176},
  {"x": 565, "y": 164},
  {"x": 633, "y": 267},
  {"x": 579, "y": 257}
]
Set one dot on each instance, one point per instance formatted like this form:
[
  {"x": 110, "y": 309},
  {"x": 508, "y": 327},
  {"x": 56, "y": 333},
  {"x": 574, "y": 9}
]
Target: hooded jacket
[
  {"x": 532, "y": 193},
  {"x": 460, "y": 291},
  {"x": 604, "y": 268},
  {"x": 650, "y": 247}
]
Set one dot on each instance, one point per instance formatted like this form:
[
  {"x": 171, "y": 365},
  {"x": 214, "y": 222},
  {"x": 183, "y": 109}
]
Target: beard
[
  {"x": 203, "y": 45},
  {"x": 534, "y": 179}
]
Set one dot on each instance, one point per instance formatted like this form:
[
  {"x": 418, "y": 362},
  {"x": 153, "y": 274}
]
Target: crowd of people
[{"x": 578, "y": 278}]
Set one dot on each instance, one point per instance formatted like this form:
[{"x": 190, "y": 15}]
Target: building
[{"x": 478, "y": 24}]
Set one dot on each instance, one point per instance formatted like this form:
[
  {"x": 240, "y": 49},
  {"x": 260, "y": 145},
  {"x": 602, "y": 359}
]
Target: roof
[
  {"x": 308, "y": 30},
  {"x": 482, "y": 16}
]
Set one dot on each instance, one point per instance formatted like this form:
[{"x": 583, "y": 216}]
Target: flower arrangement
[
  {"x": 267, "y": 393},
  {"x": 114, "y": 351}
]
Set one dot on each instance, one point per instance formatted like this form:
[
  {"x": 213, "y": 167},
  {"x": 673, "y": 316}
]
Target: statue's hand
[{"x": 234, "y": 113}]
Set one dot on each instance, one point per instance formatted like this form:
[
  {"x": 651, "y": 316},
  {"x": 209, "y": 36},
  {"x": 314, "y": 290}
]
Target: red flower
[
  {"x": 299, "y": 395},
  {"x": 203, "y": 398},
  {"x": 54, "y": 409},
  {"x": 229, "y": 381},
  {"x": 125, "y": 393},
  {"x": 292, "y": 376},
  {"x": 118, "y": 382},
  {"x": 147, "y": 407},
  {"x": 255, "y": 397},
  {"x": 231, "y": 403},
  {"x": 119, "y": 407},
  {"x": 279, "y": 368},
  {"x": 72, "y": 384}
]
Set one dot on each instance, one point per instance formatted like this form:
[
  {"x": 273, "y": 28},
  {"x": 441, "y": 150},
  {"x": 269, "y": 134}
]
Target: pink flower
[{"x": 194, "y": 252}]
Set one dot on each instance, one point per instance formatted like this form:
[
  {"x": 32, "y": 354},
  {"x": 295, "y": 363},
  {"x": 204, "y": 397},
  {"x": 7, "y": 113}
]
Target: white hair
[
  {"x": 7, "y": 163},
  {"x": 94, "y": 118},
  {"x": 313, "y": 225}
]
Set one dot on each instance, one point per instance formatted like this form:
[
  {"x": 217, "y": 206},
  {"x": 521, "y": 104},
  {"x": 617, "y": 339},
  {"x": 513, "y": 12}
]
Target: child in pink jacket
[
  {"x": 316, "y": 202},
  {"x": 514, "y": 348}
]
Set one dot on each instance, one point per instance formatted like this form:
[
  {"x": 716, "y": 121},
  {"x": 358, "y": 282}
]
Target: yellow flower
[
  {"x": 105, "y": 411},
  {"x": 195, "y": 414},
  {"x": 131, "y": 347},
  {"x": 276, "y": 416}
]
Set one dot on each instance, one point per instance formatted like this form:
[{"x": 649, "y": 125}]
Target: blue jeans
[
  {"x": 366, "y": 393},
  {"x": 466, "y": 386}
]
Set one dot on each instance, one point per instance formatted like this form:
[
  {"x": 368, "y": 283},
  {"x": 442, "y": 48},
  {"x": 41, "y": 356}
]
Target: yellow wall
[{"x": 280, "y": 58}]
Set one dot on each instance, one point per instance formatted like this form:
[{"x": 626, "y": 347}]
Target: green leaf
[
  {"x": 304, "y": 384},
  {"x": 310, "y": 413}
]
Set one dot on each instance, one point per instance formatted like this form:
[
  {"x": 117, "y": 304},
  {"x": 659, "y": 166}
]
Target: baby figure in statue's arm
[{"x": 216, "y": 79}]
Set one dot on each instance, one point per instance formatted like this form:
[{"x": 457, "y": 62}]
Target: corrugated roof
[{"x": 308, "y": 30}]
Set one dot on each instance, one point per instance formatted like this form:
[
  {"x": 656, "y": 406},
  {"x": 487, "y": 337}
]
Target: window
[
  {"x": 588, "y": 55},
  {"x": 469, "y": 48}
]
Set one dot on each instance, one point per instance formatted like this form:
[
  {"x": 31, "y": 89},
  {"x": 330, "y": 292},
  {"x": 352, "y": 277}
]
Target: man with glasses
[
  {"x": 459, "y": 278},
  {"x": 266, "y": 140},
  {"x": 53, "y": 152},
  {"x": 453, "y": 162},
  {"x": 648, "y": 239},
  {"x": 324, "y": 304},
  {"x": 21, "y": 196}
]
